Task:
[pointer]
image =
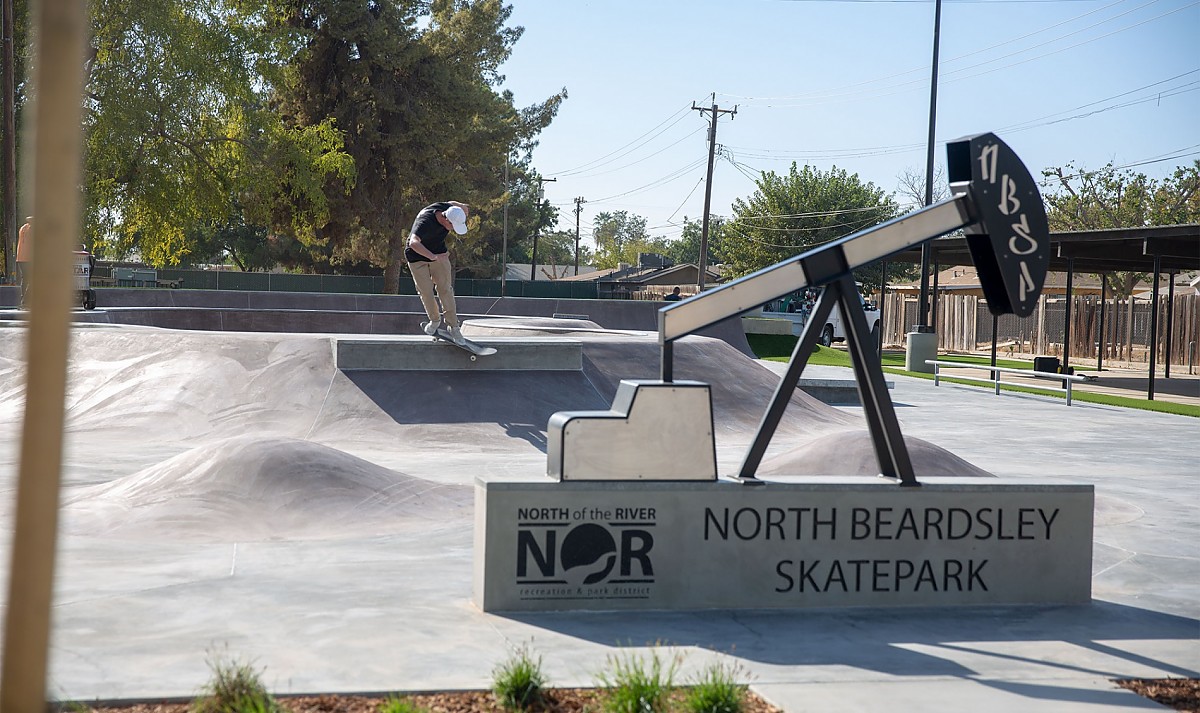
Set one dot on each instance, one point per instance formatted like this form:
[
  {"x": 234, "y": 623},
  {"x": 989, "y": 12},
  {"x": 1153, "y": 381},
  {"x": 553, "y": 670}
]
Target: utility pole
[
  {"x": 537, "y": 226},
  {"x": 579, "y": 201},
  {"x": 714, "y": 112},
  {"x": 9, "y": 164}
]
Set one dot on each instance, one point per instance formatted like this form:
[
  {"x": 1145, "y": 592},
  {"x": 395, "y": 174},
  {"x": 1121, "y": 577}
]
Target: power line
[
  {"x": 1187, "y": 151},
  {"x": 776, "y": 155},
  {"x": 654, "y": 184},
  {"x": 634, "y": 163},
  {"x": 685, "y": 200},
  {"x": 914, "y": 70},
  {"x": 926, "y": 2},
  {"x": 631, "y": 145},
  {"x": 849, "y": 92},
  {"x": 1158, "y": 97}
]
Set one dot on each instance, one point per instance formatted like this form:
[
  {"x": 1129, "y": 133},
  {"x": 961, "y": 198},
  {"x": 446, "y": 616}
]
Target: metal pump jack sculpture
[{"x": 997, "y": 204}]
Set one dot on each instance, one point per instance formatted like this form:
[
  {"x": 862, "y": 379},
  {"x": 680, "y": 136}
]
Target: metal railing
[{"x": 1066, "y": 379}]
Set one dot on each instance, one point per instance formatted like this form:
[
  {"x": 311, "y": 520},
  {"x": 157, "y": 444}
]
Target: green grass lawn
[{"x": 778, "y": 347}]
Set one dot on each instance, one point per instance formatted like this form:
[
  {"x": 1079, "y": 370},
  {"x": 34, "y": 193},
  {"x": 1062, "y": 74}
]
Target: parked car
[{"x": 798, "y": 305}]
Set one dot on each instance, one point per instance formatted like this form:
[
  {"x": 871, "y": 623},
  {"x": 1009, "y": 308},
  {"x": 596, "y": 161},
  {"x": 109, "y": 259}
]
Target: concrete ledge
[
  {"x": 766, "y": 325},
  {"x": 841, "y": 392},
  {"x": 417, "y": 353},
  {"x": 790, "y": 543}
]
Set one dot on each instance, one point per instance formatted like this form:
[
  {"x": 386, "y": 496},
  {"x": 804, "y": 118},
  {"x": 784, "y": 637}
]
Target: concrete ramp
[{"x": 140, "y": 396}]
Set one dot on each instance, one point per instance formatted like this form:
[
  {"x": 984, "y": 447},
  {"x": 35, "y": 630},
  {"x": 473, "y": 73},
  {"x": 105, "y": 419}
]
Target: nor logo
[{"x": 584, "y": 555}]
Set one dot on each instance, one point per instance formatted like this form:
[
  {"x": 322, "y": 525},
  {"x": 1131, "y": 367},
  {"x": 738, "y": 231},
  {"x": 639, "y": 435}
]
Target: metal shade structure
[
  {"x": 1099, "y": 251},
  {"x": 1151, "y": 249}
]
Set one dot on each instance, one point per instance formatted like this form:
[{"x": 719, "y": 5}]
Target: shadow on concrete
[
  {"x": 1137, "y": 386},
  {"x": 1118, "y": 698},
  {"x": 903, "y": 642}
]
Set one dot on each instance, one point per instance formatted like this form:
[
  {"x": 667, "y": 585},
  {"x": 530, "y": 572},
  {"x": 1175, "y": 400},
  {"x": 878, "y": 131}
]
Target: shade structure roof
[{"x": 1118, "y": 249}]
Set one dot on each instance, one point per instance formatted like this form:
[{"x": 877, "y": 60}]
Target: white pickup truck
[{"x": 797, "y": 306}]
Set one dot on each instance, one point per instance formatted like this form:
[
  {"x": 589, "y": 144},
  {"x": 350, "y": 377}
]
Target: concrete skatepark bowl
[{"x": 238, "y": 491}]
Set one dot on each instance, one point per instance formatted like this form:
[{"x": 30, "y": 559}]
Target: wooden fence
[{"x": 964, "y": 325}]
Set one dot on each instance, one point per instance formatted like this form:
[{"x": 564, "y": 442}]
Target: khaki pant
[
  {"x": 439, "y": 275},
  {"x": 23, "y": 273}
]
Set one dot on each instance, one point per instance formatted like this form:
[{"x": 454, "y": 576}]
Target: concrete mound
[
  {"x": 852, "y": 453},
  {"x": 249, "y": 488}
]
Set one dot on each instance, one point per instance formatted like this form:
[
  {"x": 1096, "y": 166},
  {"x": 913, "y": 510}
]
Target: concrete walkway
[{"x": 390, "y": 609}]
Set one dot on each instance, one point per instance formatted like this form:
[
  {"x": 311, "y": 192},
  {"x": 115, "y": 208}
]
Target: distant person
[
  {"x": 24, "y": 258},
  {"x": 429, "y": 261},
  {"x": 674, "y": 296}
]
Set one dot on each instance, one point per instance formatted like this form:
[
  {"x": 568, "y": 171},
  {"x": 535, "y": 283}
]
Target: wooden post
[{"x": 61, "y": 29}]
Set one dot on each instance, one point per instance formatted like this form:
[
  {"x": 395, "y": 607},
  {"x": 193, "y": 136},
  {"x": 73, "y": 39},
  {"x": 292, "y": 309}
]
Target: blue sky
[{"x": 843, "y": 83}]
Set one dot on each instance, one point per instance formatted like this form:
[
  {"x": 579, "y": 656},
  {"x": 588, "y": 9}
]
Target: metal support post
[
  {"x": 1066, "y": 356},
  {"x": 1153, "y": 346},
  {"x": 1170, "y": 325},
  {"x": 890, "y": 449},
  {"x": 787, "y": 385},
  {"x": 1102, "y": 343}
]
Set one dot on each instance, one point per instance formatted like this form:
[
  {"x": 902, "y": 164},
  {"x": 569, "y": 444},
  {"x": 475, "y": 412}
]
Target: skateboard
[{"x": 441, "y": 334}]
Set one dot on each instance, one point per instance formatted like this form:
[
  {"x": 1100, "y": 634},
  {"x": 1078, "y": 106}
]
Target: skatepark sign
[
  {"x": 635, "y": 516},
  {"x": 830, "y": 543}
]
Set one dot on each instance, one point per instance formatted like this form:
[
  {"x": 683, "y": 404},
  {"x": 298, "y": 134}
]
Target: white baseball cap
[{"x": 458, "y": 218}]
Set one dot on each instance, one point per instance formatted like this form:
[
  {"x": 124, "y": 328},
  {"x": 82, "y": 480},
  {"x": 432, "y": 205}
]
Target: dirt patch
[
  {"x": 556, "y": 700},
  {"x": 1182, "y": 694}
]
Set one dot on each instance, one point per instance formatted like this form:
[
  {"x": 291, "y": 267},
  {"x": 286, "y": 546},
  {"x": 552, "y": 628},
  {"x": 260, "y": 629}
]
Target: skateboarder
[{"x": 429, "y": 262}]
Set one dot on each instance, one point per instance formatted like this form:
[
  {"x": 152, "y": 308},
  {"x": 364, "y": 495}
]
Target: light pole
[{"x": 927, "y": 249}]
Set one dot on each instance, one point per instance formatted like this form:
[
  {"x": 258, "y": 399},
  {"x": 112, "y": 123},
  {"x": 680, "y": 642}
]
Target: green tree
[
  {"x": 22, "y": 53},
  {"x": 621, "y": 236},
  {"x": 527, "y": 213},
  {"x": 686, "y": 248},
  {"x": 807, "y": 207},
  {"x": 412, "y": 84},
  {"x": 1119, "y": 198},
  {"x": 180, "y": 139},
  {"x": 557, "y": 248}
]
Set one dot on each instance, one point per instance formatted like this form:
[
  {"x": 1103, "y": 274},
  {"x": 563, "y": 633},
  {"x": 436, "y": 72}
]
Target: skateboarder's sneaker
[
  {"x": 457, "y": 335},
  {"x": 430, "y": 328}
]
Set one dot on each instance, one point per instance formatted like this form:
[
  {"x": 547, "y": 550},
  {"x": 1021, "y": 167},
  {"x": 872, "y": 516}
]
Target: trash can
[
  {"x": 84, "y": 262},
  {"x": 1047, "y": 364}
]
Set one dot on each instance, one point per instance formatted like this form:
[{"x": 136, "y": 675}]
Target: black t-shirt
[{"x": 430, "y": 231}]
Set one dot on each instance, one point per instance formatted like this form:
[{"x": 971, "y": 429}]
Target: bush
[
  {"x": 234, "y": 688},
  {"x": 634, "y": 688},
  {"x": 518, "y": 682},
  {"x": 716, "y": 691}
]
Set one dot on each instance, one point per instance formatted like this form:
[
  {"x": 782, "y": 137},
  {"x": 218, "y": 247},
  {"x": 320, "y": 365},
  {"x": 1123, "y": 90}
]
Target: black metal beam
[
  {"x": 1153, "y": 330},
  {"x": 787, "y": 385}
]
